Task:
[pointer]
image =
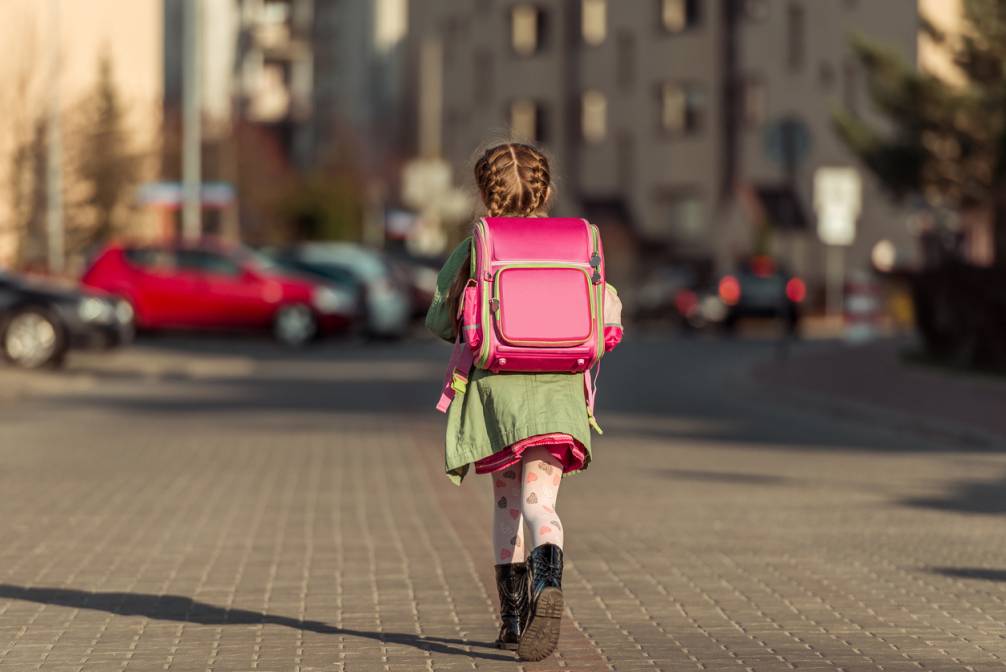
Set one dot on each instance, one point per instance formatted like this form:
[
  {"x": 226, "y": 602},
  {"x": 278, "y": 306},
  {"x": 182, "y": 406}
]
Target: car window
[
  {"x": 152, "y": 259},
  {"x": 333, "y": 272},
  {"x": 363, "y": 263},
  {"x": 260, "y": 261},
  {"x": 201, "y": 261}
]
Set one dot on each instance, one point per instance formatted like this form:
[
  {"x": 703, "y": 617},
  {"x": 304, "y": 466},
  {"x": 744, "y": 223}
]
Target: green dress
[{"x": 500, "y": 409}]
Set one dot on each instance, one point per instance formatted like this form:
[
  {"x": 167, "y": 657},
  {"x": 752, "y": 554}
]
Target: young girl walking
[{"x": 524, "y": 430}]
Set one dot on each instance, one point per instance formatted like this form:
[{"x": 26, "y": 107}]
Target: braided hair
[{"x": 514, "y": 180}]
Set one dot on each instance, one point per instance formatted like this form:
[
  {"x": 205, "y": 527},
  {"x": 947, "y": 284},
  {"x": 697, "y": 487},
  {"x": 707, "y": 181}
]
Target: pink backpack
[{"x": 535, "y": 302}]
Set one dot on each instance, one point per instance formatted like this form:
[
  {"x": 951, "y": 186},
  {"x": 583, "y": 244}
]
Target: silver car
[{"x": 386, "y": 302}]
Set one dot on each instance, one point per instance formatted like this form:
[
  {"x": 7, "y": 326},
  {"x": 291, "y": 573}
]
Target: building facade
[
  {"x": 78, "y": 35},
  {"x": 680, "y": 119}
]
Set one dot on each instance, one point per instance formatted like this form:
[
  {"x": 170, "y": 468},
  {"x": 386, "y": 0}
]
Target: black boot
[
  {"x": 541, "y": 635},
  {"x": 512, "y": 583}
]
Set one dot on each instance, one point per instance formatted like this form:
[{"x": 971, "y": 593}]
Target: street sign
[
  {"x": 172, "y": 194},
  {"x": 838, "y": 200},
  {"x": 428, "y": 189},
  {"x": 425, "y": 180}
]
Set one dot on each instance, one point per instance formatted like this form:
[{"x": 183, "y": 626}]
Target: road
[{"x": 227, "y": 505}]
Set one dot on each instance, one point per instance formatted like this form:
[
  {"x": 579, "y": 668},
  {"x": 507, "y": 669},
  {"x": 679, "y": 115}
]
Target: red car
[{"x": 215, "y": 286}]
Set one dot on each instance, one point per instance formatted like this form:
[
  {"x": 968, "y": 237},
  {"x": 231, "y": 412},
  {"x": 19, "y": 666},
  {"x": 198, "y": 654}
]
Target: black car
[
  {"x": 762, "y": 288},
  {"x": 39, "y": 323}
]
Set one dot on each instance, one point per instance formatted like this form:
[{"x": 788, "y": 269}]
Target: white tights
[{"x": 526, "y": 493}]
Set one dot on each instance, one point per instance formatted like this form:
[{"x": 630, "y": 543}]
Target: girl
[{"x": 524, "y": 430}]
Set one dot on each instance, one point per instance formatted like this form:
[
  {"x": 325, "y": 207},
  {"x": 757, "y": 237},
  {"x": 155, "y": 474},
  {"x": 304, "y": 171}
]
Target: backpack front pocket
[{"x": 544, "y": 305}]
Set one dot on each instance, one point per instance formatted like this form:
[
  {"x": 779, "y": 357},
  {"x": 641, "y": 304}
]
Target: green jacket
[{"x": 499, "y": 409}]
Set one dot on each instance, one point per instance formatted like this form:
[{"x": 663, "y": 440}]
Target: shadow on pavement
[
  {"x": 645, "y": 386},
  {"x": 981, "y": 573},
  {"x": 978, "y": 497},
  {"x": 187, "y": 610}
]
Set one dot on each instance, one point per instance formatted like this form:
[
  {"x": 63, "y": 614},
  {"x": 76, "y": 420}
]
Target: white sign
[
  {"x": 425, "y": 180},
  {"x": 838, "y": 200}
]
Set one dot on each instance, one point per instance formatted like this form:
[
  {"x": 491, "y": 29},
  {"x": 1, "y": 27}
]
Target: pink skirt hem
[{"x": 568, "y": 451}]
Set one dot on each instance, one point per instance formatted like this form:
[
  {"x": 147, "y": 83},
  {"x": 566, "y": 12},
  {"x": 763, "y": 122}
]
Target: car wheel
[
  {"x": 295, "y": 325},
  {"x": 33, "y": 340}
]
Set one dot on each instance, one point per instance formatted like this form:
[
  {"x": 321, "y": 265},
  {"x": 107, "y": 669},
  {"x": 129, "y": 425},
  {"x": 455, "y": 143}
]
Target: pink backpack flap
[{"x": 536, "y": 303}]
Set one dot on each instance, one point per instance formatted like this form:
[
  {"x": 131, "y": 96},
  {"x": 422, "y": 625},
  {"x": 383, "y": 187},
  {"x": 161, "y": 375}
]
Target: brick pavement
[{"x": 226, "y": 523}]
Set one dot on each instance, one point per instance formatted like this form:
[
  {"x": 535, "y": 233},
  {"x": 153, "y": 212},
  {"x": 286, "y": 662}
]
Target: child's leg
[
  {"x": 508, "y": 524},
  {"x": 542, "y": 475}
]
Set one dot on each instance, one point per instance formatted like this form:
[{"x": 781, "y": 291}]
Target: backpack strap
[
  {"x": 456, "y": 378},
  {"x": 590, "y": 393}
]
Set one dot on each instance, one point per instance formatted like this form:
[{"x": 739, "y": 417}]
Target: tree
[
  {"x": 24, "y": 149},
  {"x": 943, "y": 141},
  {"x": 107, "y": 166},
  {"x": 27, "y": 191}
]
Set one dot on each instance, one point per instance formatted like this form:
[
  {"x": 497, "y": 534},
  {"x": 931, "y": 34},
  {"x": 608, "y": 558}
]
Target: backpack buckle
[{"x": 494, "y": 304}]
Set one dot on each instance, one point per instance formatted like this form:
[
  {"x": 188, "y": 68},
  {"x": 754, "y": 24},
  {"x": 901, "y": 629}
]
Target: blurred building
[
  {"x": 681, "y": 122},
  {"x": 289, "y": 87},
  {"x": 78, "y": 35},
  {"x": 305, "y": 70}
]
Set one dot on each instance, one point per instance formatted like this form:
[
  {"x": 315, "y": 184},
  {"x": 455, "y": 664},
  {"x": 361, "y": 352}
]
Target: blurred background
[{"x": 834, "y": 165}]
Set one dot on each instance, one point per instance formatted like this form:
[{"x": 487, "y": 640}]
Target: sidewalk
[
  {"x": 877, "y": 380},
  {"x": 296, "y": 519}
]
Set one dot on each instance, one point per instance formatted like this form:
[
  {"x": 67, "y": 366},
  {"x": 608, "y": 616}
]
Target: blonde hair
[{"x": 513, "y": 179}]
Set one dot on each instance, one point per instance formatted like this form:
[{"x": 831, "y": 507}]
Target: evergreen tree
[
  {"x": 944, "y": 141},
  {"x": 107, "y": 166}
]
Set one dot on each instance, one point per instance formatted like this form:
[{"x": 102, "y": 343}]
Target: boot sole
[
  {"x": 541, "y": 635},
  {"x": 506, "y": 646}
]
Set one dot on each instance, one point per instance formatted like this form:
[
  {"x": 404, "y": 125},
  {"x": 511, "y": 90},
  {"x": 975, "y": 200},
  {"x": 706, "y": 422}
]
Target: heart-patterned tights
[{"x": 525, "y": 494}]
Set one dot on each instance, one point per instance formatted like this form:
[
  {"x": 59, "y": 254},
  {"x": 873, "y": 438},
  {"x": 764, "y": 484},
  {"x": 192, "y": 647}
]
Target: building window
[
  {"x": 527, "y": 30},
  {"x": 625, "y": 160},
  {"x": 684, "y": 216},
  {"x": 754, "y": 102},
  {"x": 795, "y": 36},
  {"x": 850, "y": 85},
  {"x": 483, "y": 83},
  {"x": 276, "y": 12},
  {"x": 756, "y": 10},
  {"x": 677, "y": 16},
  {"x": 594, "y": 21},
  {"x": 682, "y": 106},
  {"x": 826, "y": 74},
  {"x": 528, "y": 121},
  {"x": 594, "y": 116},
  {"x": 625, "y": 60}
]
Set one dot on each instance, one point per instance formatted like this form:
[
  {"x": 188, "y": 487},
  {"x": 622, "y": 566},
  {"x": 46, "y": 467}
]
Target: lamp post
[
  {"x": 54, "y": 152},
  {"x": 191, "y": 122}
]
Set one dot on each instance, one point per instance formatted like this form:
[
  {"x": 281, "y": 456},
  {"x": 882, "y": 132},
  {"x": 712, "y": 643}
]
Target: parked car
[
  {"x": 699, "y": 308},
  {"x": 656, "y": 298},
  {"x": 386, "y": 301},
  {"x": 419, "y": 277},
  {"x": 217, "y": 286},
  {"x": 761, "y": 288},
  {"x": 39, "y": 323}
]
